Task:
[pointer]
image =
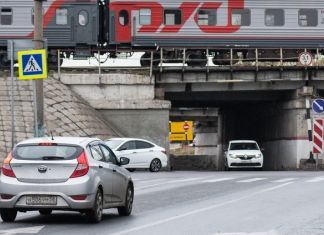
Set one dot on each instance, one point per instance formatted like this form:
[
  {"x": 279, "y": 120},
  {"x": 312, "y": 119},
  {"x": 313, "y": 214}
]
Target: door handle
[
  {"x": 134, "y": 152},
  {"x": 151, "y": 150},
  {"x": 100, "y": 166}
]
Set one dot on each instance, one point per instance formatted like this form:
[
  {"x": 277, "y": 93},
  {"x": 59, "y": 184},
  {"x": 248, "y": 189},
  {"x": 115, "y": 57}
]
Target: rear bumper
[{"x": 63, "y": 192}]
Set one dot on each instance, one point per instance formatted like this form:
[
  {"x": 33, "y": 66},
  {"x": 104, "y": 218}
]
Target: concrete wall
[
  {"x": 127, "y": 101},
  {"x": 148, "y": 124}
]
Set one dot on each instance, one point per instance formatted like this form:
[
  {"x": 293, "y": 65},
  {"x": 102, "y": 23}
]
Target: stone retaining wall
[{"x": 66, "y": 113}]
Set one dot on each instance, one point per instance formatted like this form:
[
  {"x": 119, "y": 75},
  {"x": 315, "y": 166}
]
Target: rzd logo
[{"x": 187, "y": 9}]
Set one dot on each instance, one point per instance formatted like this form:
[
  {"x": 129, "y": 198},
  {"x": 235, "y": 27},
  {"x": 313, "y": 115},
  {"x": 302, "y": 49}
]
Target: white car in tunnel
[
  {"x": 243, "y": 153},
  {"x": 142, "y": 154}
]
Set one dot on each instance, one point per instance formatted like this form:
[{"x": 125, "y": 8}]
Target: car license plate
[{"x": 41, "y": 200}]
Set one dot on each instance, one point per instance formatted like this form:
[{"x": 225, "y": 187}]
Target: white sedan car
[
  {"x": 141, "y": 153},
  {"x": 243, "y": 153}
]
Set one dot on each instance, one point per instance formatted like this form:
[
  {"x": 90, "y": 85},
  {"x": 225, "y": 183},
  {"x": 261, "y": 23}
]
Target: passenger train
[{"x": 81, "y": 27}]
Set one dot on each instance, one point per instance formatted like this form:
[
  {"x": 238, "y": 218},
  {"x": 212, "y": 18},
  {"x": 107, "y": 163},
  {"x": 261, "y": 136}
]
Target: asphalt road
[{"x": 216, "y": 203}]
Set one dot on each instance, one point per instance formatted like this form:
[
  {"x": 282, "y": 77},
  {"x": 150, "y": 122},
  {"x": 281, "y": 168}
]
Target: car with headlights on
[
  {"x": 64, "y": 173},
  {"x": 142, "y": 154},
  {"x": 243, "y": 153}
]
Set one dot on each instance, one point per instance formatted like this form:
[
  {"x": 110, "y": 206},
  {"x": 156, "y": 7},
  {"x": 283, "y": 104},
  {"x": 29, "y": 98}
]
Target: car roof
[
  {"x": 82, "y": 141},
  {"x": 242, "y": 141}
]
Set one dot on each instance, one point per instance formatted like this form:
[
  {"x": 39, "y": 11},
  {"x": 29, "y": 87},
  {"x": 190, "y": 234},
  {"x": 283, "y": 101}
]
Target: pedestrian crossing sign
[{"x": 32, "y": 64}]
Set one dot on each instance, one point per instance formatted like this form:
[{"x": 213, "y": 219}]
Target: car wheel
[
  {"x": 95, "y": 214},
  {"x": 8, "y": 215},
  {"x": 127, "y": 209},
  {"x": 45, "y": 211},
  {"x": 155, "y": 165}
]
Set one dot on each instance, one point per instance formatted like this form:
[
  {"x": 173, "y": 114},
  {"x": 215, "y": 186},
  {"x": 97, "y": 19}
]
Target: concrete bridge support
[{"x": 127, "y": 101}]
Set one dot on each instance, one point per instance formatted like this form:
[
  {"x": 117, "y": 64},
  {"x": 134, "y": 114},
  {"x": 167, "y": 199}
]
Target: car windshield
[
  {"x": 113, "y": 143},
  {"x": 244, "y": 146},
  {"x": 43, "y": 152}
]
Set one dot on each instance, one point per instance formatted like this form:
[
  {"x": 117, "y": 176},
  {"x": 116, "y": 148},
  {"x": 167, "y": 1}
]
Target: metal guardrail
[{"x": 233, "y": 62}]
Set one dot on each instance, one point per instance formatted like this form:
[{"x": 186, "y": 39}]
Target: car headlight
[
  {"x": 231, "y": 155},
  {"x": 259, "y": 155}
]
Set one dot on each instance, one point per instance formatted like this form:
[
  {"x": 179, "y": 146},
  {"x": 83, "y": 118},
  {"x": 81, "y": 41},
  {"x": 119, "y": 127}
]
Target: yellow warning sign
[{"x": 181, "y": 131}]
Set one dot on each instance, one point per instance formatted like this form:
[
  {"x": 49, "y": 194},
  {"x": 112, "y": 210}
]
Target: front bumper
[
  {"x": 239, "y": 163},
  {"x": 63, "y": 192}
]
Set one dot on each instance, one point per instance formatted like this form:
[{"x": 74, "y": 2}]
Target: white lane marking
[
  {"x": 169, "y": 182},
  {"x": 283, "y": 180},
  {"x": 250, "y": 180},
  {"x": 217, "y": 180},
  {"x": 272, "y": 232},
  {"x": 24, "y": 230},
  {"x": 315, "y": 180},
  {"x": 176, "y": 217},
  {"x": 149, "y": 180}
]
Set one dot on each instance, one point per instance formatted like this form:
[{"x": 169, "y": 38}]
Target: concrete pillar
[
  {"x": 287, "y": 140},
  {"x": 206, "y": 139}
]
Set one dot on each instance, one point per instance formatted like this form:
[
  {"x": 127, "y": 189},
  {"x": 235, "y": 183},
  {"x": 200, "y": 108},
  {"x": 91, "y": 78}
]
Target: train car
[
  {"x": 76, "y": 26},
  {"x": 217, "y": 25}
]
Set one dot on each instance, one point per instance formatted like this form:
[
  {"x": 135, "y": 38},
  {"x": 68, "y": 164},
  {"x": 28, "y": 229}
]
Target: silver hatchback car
[{"x": 64, "y": 173}]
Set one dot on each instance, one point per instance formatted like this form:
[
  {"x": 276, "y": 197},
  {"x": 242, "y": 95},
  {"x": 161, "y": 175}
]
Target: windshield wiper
[{"x": 52, "y": 158}]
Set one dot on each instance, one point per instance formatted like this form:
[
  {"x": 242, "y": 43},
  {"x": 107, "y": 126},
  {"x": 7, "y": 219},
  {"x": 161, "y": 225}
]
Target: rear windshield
[
  {"x": 244, "y": 146},
  {"x": 56, "y": 152},
  {"x": 113, "y": 143}
]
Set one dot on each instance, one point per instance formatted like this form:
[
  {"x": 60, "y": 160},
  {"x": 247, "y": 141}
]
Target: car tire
[
  {"x": 95, "y": 214},
  {"x": 126, "y": 210},
  {"x": 8, "y": 215},
  {"x": 45, "y": 211},
  {"x": 155, "y": 165}
]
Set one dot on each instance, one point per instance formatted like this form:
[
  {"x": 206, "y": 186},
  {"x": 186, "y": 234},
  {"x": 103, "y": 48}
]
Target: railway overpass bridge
[{"x": 267, "y": 104}]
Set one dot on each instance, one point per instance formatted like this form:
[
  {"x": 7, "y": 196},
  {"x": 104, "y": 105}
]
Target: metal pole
[
  {"x": 59, "y": 63},
  {"x": 38, "y": 84},
  {"x": 151, "y": 65},
  {"x": 12, "y": 97},
  {"x": 99, "y": 65}
]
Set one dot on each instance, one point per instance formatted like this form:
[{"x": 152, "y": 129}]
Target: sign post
[
  {"x": 38, "y": 86},
  {"x": 318, "y": 130},
  {"x": 186, "y": 128}
]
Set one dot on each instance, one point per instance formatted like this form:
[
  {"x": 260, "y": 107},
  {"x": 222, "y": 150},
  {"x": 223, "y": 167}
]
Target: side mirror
[
  {"x": 122, "y": 149},
  {"x": 124, "y": 161}
]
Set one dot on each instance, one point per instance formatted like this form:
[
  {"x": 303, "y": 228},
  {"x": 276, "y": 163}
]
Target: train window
[
  {"x": 274, "y": 17},
  {"x": 123, "y": 17},
  {"x": 61, "y": 16},
  {"x": 308, "y": 17},
  {"x": 83, "y": 18},
  {"x": 241, "y": 17},
  {"x": 145, "y": 17},
  {"x": 6, "y": 16},
  {"x": 207, "y": 17},
  {"x": 172, "y": 17}
]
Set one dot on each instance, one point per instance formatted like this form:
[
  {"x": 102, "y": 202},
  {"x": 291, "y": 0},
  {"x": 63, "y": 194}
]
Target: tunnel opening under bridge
[{"x": 275, "y": 119}]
